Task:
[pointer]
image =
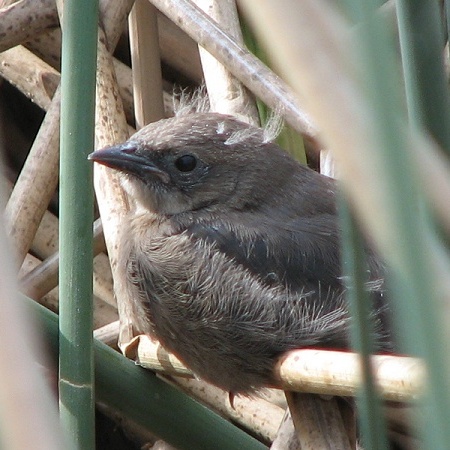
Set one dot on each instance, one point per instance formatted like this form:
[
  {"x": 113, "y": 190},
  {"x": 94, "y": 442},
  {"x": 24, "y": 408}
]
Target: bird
[{"x": 232, "y": 251}]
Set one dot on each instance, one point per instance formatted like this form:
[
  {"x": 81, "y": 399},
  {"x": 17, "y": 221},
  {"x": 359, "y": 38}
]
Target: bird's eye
[{"x": 186, "y": 163}]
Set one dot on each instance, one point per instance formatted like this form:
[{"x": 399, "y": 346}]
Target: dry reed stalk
[
  {"x": 25, "y": 19},
  {"x": 398, "y": 378},
  {"x": 226, "y": 94},
  {"x": 36, "y": 184},
  {"x": 255, "y": 414},
  {"x": 111, "y": 128},
  {"x": 28, "y": 73},
  {"x": 146, "y": 64},
  {"x": 103, "y": 312},
  {"x": 113, "y": 19},
  {"x": 108, "y": 334},
  {"x": 45, "y": 244},
  {"x": 178, "y": 50},
  {"x": 49, "y": 300},
  {"x": 286, "y": 437},
  {"x": 318, "y": 423},
  {"x": 32, "y": 70},
  {"x": 44, "y": 277},
  {"x": 103, "y": 280}
]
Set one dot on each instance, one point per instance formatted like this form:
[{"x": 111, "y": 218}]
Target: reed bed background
[{"x": 365, "y": 95}]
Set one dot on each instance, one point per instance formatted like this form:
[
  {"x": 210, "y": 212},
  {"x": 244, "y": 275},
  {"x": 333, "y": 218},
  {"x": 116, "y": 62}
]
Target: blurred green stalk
[
  {"x": 421, "y": 42},
  {"x": 144, "y": 399},
  {"x": 414, "y": 299},
  {"x": 373, "y": 427},
  {"x": 76, "y": 373}
]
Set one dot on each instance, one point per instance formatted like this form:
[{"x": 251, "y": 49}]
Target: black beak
[{"x": 123, "y": 157}]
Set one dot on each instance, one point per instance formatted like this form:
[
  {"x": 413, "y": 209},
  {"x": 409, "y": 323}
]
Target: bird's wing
[{"x": 293, "y": 252}]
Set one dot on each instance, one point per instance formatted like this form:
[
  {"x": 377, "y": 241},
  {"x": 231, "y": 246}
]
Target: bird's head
[{"x": 198, "y": 161}]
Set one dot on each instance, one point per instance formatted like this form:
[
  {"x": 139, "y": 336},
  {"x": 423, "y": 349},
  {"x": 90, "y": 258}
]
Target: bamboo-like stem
[
  {"x": 13, "y": 17},
  {"x": 243, "y": 65},
  {"x": 146, "y": 64},
  {"x": 76, "y": 362}
]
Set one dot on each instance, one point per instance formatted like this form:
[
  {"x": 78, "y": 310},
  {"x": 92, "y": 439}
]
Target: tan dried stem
[
  {"x": 28, "y": 73},
  {"x": 146, "y": 64},
  {"x": 398, "y": 378},
  {"x": 255, "y": 414},
  {"x": 227, "y": 95},
  {"x": 36, "y": 184},
  {"x": 24, "y": 20},
  {"x": 111, "y": 128},
  {"x": 318, "y": 423},
  {"x": 43, "y": 278}
]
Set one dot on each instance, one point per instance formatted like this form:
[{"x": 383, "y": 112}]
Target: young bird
[{"x": 232, "y": 252}]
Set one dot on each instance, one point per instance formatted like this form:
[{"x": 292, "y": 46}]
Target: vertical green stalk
[
  {"x": 76, "y": 382},
  {"x": 415, "y": 300},
  {"x": 447, "y": 19},
  {"x": 373, "y": 428},
  {"x": 421, "y": 42}
]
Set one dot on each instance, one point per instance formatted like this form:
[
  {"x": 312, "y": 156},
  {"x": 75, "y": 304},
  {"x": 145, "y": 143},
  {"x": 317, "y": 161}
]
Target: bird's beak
[{"x": 123, "y": 157}]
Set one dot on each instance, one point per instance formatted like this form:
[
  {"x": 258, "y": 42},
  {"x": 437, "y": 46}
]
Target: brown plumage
[{"x": 232, "y": 253}]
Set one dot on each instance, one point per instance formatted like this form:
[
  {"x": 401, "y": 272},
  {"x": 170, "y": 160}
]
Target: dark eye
[{"x": 186, "y": 163}]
